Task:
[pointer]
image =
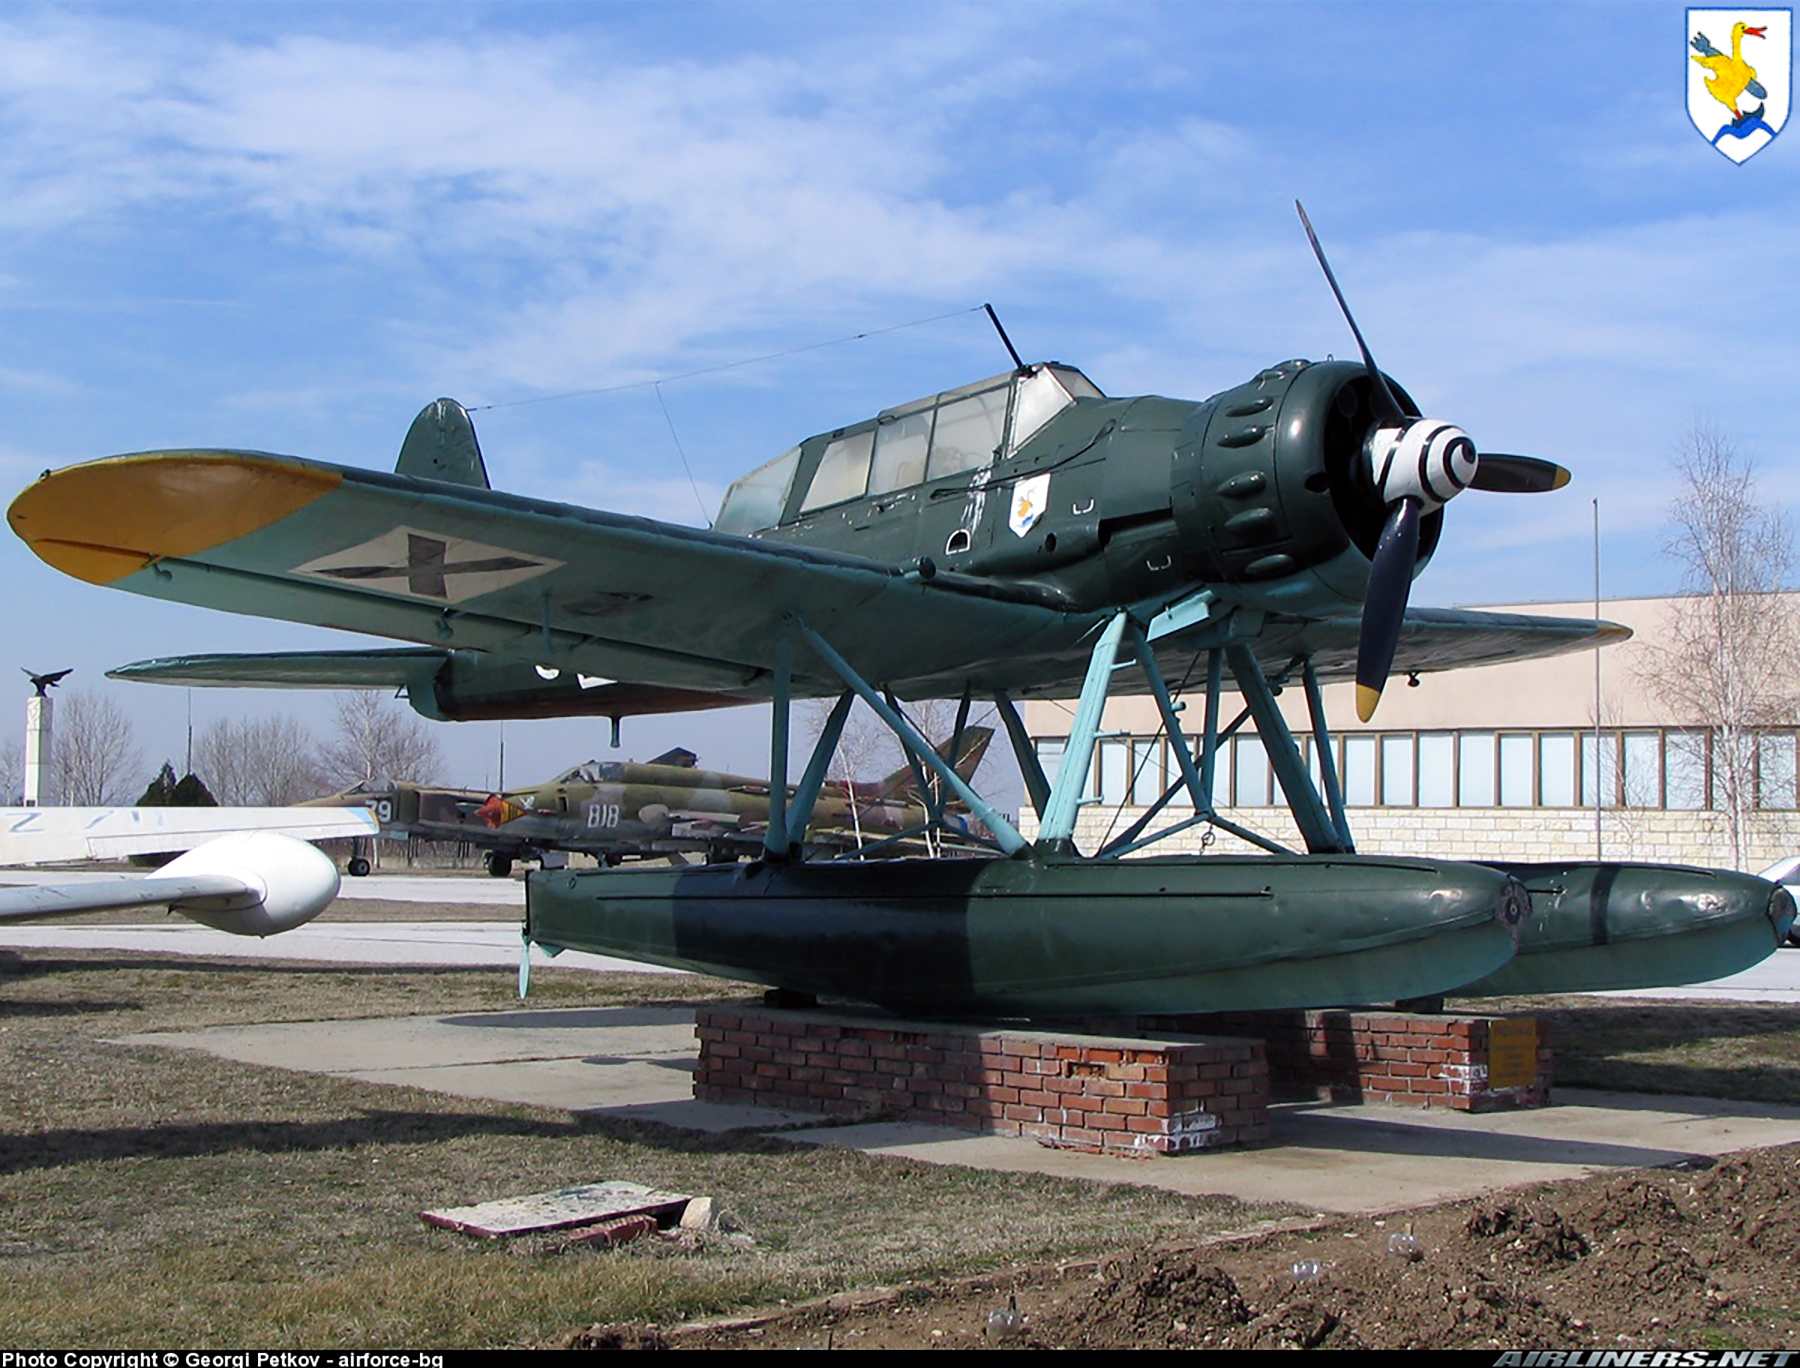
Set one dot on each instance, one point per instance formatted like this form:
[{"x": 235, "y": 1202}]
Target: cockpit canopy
[
  {"x": 591, "y": 772},
  {"x": 946, "y": 434}
]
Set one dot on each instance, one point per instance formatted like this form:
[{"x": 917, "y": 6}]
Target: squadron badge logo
[
  {"x": 1028, "y": 502},
  {"x": 1739, "y": 76}
]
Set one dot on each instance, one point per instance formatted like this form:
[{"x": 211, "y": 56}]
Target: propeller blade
[
  {"x": 1387, "y": 408},
  {"x": 524, "y": 966},
  {"x": 1499, "y": 473},
  {"x": 1384, "y": 605}
]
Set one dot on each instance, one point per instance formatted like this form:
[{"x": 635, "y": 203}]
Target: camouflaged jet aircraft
[
  {"x": 625, "y": 810},
  {"x": 1015, "y": 537}
]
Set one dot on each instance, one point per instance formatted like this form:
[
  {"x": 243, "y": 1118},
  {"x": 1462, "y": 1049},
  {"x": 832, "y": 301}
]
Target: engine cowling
[{"x": 1272, "y": 493}]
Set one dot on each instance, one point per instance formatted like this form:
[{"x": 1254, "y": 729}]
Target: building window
[
  {"x": 1599, "y": 769},
  {"x": 1671, "y": 769},
  {"x": 1360, "y": 754},
  {"x": 1437, "y": 769},
  {"x": 1518, "y": 787},
  {"x": 1221, "y": 779},
  {"x": 1643, "y": 769},
  {"x": 1556, "y": 769},
  {"x": 1397, "y": 754},
  {"x": 1115, "y": 771},
  {"x": 1684, "y": 770},
  {"x": 1250, "y": 772},
  {"x": 1147, "y": 782},
  {"x": 1475, "y": 769},
  {"x": 1775, "y": 771}
]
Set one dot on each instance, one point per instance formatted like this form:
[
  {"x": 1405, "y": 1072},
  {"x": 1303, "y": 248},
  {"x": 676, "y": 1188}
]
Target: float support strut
[{"x": 990, "y": 816}]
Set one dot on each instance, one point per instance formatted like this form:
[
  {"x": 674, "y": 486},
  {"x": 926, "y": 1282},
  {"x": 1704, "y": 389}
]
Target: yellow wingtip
[{"x": 108, "y": 519}]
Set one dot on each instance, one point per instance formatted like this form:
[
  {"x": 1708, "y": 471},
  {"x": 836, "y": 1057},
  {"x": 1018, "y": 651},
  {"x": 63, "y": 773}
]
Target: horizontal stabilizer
[
  {"x": 444, "y": 685},
  {"x": 396, "y": 667}
]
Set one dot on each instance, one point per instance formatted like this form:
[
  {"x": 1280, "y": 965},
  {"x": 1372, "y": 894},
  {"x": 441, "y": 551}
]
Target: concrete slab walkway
[{"x": 638, "y": 1063}]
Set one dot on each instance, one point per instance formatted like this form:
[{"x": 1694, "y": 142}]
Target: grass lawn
[{"x": 156, "y": 1198}]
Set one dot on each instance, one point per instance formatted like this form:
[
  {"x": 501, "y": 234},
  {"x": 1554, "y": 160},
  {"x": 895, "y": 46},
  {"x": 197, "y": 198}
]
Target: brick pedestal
[
  {"x": 1467, "y": 1063},
  {"x": 1109, "y": 1094}
]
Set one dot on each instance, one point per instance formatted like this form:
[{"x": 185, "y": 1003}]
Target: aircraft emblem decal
[
  {"x": 496, "y": 812},
  {"x": 1030, "y": 498},
  {"x": 1739, "y": 76},
  {"x": 429, "y": 565}
]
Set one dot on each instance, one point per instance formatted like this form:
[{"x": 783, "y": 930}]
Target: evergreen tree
[
  {"x": 192, "y": 792},
  {"x": 161, "y": 792}
]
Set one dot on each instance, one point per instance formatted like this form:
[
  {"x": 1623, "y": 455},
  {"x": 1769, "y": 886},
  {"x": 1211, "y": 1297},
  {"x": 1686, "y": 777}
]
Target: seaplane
[{"x": 1023, "y": 536}]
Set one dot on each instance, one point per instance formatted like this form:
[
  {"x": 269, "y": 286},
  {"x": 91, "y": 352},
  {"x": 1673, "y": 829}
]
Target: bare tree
[
  {"x": 12, "y": 774},
  {"x": 95, "y": 758},
  {"x": 864, "y": 737},
  {"x": 374, "y": 738},
  {"x": 269, "y": 762},
  {"x": 868, "y": 749},
  {"x": 1728, "y": 667}
]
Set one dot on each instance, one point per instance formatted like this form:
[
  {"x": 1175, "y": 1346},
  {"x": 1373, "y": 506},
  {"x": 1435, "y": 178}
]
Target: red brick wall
[
  {"x": 1104, "y": 1093},
  {"x": 1467, "y": 1063}
]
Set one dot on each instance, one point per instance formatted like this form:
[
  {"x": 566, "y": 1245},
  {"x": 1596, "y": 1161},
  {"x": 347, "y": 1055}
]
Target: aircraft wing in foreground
[{"x": 249, "y": 871}]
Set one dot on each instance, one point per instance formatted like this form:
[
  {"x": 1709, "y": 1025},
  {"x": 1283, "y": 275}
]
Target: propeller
[{"x": 1416, "y": 465}]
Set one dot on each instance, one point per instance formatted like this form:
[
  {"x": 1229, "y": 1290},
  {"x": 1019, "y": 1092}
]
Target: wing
[
  {"x": 250, "y": 883},
  {"x": 1436, "y": 639},
  {"x": 605, "y": 595},
  {"x": 104, "y": 895},
  {"x": 448, "y": 686},
  {"x": 587, "y": 601},
  {"x": 466, "y": 686},
  {"x": 52, "y": 835}
]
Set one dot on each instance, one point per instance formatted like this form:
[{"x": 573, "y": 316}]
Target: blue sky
[{"x": 286, "y": 227}]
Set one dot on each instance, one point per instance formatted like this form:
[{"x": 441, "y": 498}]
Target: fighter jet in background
[{"x": 625, "y": 810}]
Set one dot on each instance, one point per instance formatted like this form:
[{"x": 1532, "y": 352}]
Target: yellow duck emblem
[{"x": 1731, "y": 76}]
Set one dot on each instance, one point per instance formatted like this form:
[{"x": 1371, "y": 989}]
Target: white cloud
[{"x": 507, "y": 212}]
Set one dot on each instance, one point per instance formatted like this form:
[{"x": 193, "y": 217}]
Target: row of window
[{"x": 1649, "y": 768}]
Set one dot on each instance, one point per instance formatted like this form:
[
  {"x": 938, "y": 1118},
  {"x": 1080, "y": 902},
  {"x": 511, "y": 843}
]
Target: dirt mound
[
  {"x": 1757, "y": 1200},
  {"x": 1659, "y": 1258},
  {"x": 1156, "y": 1298}
]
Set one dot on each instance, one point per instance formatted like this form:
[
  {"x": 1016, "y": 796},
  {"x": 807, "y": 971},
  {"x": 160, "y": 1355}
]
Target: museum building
[{"x": 1539, "y": 760}]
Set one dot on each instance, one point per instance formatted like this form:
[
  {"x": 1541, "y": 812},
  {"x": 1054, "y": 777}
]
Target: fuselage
[
  {"x": 627, "y": 809},
  {"x": 1036, "y": 481}
]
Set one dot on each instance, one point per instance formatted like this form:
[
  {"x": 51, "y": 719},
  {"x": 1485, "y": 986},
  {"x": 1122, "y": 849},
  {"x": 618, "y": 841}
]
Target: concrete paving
[
  {"x": 638, "y": 1063},
  {"x": 460, "y": 890},
  {"x": 494, "y": 944}
]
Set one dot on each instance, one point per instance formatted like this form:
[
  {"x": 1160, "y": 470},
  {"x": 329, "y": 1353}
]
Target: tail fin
[
  {"x": 901, "y": 784},
  {"x": 441, "y": 445}
]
